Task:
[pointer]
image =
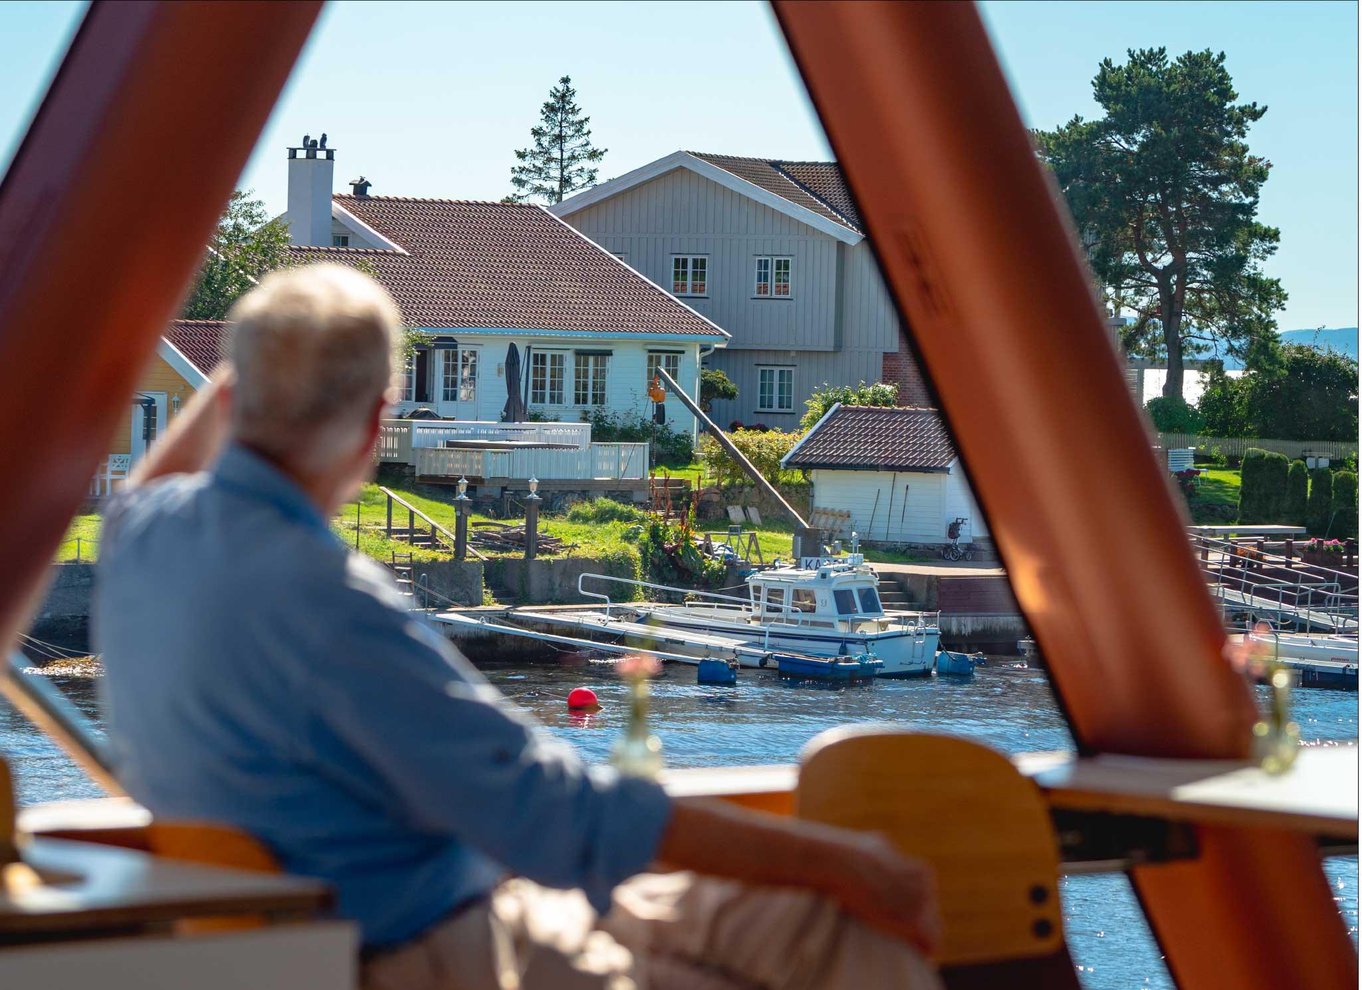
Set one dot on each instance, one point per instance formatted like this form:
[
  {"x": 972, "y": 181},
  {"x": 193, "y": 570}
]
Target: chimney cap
[
  {"x": 311, "y": 147},
  {"x": 360, "y": 186}
]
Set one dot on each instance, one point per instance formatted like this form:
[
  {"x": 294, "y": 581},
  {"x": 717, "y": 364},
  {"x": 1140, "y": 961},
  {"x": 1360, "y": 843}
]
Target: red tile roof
[
  {"x": 866, "y": 438},
  {"x": 470, "y": 265},
  {"x": 816, "y": 186},
  {"x": 203, "y": 342}
]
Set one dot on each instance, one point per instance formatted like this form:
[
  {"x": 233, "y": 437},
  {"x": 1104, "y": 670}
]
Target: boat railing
[{"x": 631, "y": 582}]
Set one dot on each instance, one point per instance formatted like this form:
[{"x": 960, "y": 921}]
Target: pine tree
[{"x": 562, "y": 158}]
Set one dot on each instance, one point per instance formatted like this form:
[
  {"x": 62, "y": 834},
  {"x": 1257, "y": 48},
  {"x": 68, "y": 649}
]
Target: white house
[
  {"x": 476, "y": 277},
  {"x": 894, "y": 470}
]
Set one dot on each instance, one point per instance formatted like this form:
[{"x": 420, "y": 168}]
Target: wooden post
[
  {"x": 389, "y": 524},
  {"x": 461, "y": 522},
  {"x": 411, "y": 526}
]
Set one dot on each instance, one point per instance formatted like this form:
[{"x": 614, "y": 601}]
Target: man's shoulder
[{"x": 130, "y": 510}]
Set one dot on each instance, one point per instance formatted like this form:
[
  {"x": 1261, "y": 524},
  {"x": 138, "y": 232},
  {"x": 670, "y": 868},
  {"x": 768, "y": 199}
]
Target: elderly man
[{"x": 261, "y": 676}]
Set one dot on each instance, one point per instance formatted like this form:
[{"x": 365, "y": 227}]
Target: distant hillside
[{"x": 1340, "y": 339}]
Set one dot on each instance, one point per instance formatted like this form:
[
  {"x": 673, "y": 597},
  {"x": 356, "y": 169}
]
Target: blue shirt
[{"x": 260, "y": 675}]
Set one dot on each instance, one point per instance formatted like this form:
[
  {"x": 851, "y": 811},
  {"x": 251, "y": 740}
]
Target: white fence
[
  {"x": 594, "y": 462},
  {"x": 1237, "y": 446}
]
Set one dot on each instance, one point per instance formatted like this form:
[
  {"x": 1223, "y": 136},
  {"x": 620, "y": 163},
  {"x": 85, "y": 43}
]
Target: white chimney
[{"x": 311, "y": 170}]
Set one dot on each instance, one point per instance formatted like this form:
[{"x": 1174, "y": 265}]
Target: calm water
[{"x": 765, "y": 721}]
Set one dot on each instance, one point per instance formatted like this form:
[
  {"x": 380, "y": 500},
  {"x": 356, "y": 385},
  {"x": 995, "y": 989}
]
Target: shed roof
[
  {"x": 874, "y": 438},
  {"x": 202, "y": 342},
  {"x": 506, "y": 266}
]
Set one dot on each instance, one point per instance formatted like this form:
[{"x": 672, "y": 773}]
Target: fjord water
[{"x": 764, "y": 720}]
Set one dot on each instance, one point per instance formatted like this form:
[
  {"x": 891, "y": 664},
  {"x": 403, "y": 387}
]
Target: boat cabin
[{"x": 836, "y": 589}]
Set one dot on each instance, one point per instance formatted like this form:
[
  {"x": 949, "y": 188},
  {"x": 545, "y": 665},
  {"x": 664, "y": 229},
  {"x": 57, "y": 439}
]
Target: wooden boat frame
[{"x": 976, "y": 251}]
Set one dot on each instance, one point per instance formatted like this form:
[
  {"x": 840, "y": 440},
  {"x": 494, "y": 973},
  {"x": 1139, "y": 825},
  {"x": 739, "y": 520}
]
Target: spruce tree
[{"x": 562, "y": 159}]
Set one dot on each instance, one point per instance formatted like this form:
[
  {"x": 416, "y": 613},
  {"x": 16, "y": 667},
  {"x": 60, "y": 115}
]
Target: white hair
[{"x": 314, "y": 349}]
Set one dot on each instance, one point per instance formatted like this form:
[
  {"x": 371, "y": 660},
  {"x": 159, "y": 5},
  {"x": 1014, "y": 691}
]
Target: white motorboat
[
  {"x": 821, "y": 607},
  {"x": 1308, "y": 646}
]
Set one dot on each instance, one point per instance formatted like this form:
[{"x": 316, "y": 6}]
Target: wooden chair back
[
  {"x": 983, "y": 826},
  {"x": 212, "y": 844}
]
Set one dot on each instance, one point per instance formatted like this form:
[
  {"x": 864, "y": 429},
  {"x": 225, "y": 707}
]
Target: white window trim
[
  {"x": 690, "y": 276},
  {"x": 590, "y": 380},
  {"x": 548, "y": 357},
  {"x": 662, "y": 357},
  {"x": 772, "y": 258},
  {"x": 776, "y": 370}
]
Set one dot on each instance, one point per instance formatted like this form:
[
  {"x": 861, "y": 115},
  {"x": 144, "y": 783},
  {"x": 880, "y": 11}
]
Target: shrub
[
  {"x": 1262, "y": 492},
  {"x": 1321, "y": 501},
  {"x": 605, "y": 510},
  {"x": 824, "y": 398},
  {"x": 714, "y": 384},
  {"x": 1343, "y": 511},
  {"x": 764, "y": 448},
  {"x": 1171, "y": 414},
  {"x": 668, "y": 447},
  {"x": 1297, "y": 508}
]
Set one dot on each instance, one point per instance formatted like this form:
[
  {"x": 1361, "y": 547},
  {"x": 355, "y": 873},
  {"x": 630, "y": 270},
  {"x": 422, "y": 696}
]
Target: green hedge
[
  {"x": 1297, "y": 508},
  {"x": 1321, "y": 502},
  {"x": 1343, "y": 513},
  {"x": 1262, "y": 492}
]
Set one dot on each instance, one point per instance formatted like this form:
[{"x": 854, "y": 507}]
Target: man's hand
[
  {"x": 195, "y": 437},
  {"x": 862, "y": 871}
]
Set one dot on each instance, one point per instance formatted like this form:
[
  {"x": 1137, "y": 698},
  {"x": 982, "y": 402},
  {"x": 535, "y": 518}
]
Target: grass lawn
[
  {"x": 1217, "y": 496},
  {"x": 81, "y": 542}
]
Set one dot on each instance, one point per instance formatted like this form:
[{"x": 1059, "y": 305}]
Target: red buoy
[{"x": 582, "y": 699}]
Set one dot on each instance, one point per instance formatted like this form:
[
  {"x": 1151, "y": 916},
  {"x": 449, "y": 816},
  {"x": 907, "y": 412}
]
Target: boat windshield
[
  {"x": 845, "y": 599},
  {"x": 870, "y": 601}
]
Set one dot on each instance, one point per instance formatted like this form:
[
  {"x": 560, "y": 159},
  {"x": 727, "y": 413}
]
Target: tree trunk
[{"x": 1171, "y": 316}]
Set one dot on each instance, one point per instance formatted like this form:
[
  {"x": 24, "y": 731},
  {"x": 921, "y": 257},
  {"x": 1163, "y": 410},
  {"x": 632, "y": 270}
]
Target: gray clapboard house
[{"x": 773, "y": 252}]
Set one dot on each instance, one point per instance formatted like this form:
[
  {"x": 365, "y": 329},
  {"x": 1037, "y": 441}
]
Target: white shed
[{"x": 894, "y": 470}]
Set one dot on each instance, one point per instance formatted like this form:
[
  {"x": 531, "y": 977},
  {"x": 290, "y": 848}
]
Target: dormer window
[{"x": 340, "y": 240}]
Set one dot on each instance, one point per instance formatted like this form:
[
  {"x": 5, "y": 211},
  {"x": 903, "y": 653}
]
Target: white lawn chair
[
  {"x": 735, "y": 515},
  {"x": 754, "y": 515}
]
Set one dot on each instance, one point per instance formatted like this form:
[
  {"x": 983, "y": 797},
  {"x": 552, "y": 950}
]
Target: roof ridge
[
  {"x": 434, "y": 199},
  {"x": 185, "y": 319}
]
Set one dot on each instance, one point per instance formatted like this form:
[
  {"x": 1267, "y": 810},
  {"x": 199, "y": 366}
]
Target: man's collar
[{"x": 245, "y": 471}]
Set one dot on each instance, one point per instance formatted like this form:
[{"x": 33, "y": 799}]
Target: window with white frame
[
  {"x": 548, "y": 369},
  {"x": 690, "y": 275},
  {"x": 340, "y": 240},
  {"x": 668, "y": 361},
  {"x": 409, "y": 379},
  {"x": 468, "y": 375},
  {"x": 772, "y": 277},
  {"x": 775, "y": 389},
  {"x": 588, "y": 382},
  {"x": 449, "y": 377}
]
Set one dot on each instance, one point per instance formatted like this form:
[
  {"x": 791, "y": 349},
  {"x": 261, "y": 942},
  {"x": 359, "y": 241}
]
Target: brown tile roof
[
  {"x": 816, "y": 186},
  {"x": 203, "y": 342},
  {"x": 475, "y": 265},
  {"x": 865, "y": 438}
]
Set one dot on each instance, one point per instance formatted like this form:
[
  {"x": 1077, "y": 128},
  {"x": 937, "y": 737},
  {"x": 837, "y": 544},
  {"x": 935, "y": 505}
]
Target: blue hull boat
[{"x": 846, "y": 669}]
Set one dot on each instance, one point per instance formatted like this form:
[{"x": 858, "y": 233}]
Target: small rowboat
[
  {"x": 957, "y": 664},
  {"x": 846, "y": 669}
]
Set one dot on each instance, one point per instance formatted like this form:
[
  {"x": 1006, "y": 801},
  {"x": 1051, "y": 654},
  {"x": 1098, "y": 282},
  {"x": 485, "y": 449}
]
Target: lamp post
[
  {"x": 532, "y": 520},
  {"x": 461, "y": 521}
]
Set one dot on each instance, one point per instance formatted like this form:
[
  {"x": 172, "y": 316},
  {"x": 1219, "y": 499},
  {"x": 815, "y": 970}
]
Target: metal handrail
[{"x": 609, "y": 603}]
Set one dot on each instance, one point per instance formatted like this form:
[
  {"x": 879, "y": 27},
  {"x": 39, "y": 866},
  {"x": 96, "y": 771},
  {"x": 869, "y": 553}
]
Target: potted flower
[{"x": 1324, "y": 553}]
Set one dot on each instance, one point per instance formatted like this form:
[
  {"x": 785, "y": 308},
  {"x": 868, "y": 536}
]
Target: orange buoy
[{"x": 582, "y": 699}]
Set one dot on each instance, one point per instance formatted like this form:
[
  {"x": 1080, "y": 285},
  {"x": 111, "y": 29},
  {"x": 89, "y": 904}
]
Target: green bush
[
  {"x": 1343, "y": 512},
  {"x": 714, "y": 384},
  {"x": 668, "y": 447},
  {"x": 824, "y": 398},
  {"x": 605, "y": 510},
  {"x": 1171, "y": 414},
  {"x": 1262, "y": 492},
  {"x": 1321, "y": 501},
  {"x": 764, "y": 448},
  {"x": 1297, "y": 510}
]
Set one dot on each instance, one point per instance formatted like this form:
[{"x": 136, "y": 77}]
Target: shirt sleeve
[{"x": 457, "y": 758}]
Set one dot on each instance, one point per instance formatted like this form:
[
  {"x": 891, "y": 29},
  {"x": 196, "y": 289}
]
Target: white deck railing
[
  {"x": 595, "y": 462},
  {"x": 400, "y": 436}
]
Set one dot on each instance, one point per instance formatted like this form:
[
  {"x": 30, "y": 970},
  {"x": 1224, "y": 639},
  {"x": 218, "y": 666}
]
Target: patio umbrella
[{"x": 514, "y": 410}]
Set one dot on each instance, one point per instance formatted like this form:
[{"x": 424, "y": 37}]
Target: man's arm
[
  {"x": 194, "y": 439},
  {"x": 862, "y": 871}
]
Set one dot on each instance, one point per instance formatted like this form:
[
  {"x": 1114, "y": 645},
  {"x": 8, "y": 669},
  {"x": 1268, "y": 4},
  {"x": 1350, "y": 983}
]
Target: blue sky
[{"x": 432, "y": 99}]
